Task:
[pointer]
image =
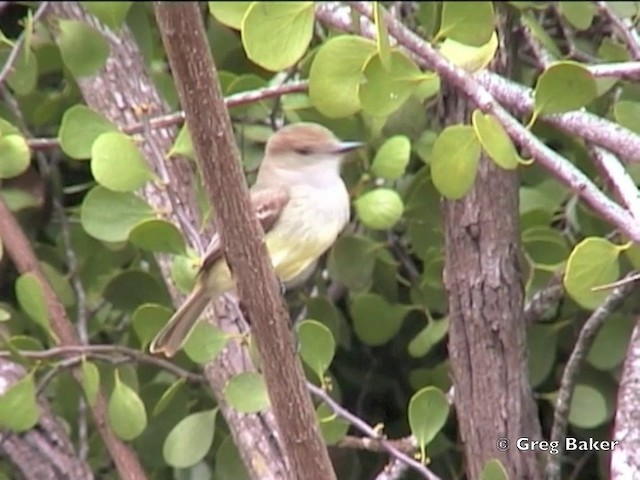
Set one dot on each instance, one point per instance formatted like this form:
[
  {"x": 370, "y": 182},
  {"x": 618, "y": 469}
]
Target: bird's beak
[{"x": 344, "y": 147}]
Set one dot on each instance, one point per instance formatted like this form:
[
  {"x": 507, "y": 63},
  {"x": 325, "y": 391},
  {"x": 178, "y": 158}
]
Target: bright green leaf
[
  {"x": 593, "y": 262},
  {"x": 147, "y": 321},
  {"x": 23, "y": 76},
  {"x": 578, "y": 14},
  {"x": 333, "y": 86},
  {"x": 493, "y": 469},
  {"x": 428, "y": 412},
  {"x": 110, "y": 216},
  {"x": 276, "y": 35},
  {"x": 627, "y": 113},
  {"x": 376, "y": 321},
  {"x": 15, "y": 156},
  {"x": 588, "y": 407},
  {"x": 495, "y": 141},
  {"x": 31, "y": 298},
  {"x": 190, "y": 440},
  {"x": 317, "y": 346},
  {"x": 84, "y": 50},
  {"x": 467, "y": 57},
  {"x": 562, "y": 87},
  {"x": 332, "y": 427},
  {"x": 247, "y": 393},
  {"x": 79, "y": 128},
  {"x": 19, "y": 409},
  {"x": 229, "y": 13},
  {"x": 126, "y": 412},
  {"x": 205, "y": 343},
  {"x": 471, "y": 23},
  {"x": 158, "y": 236},
  {"x": 183, "y": 145},
  {"x": 116, "y": 163},
  {"x": 382, "y": 36},
  {"x": 90, "y": 381},
  {"x": 392, "y": 158},
  {"x": 379, "y": 209},
  {"x": 428, "y": 337},
  {"x": 454, "y": 161}
]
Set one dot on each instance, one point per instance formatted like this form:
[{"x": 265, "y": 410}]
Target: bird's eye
[{"x": 303, "y": 151}]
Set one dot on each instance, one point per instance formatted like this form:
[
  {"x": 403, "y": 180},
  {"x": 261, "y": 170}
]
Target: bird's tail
[{"x": 175, "y": 333}]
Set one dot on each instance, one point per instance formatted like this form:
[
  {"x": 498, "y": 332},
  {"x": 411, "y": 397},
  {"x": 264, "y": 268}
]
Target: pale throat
[{"x": 319, "y": 174}]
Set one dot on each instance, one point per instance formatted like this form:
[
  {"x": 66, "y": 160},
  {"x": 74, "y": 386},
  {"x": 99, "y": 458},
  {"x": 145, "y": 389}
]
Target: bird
[{"x": 302, "y": 205}]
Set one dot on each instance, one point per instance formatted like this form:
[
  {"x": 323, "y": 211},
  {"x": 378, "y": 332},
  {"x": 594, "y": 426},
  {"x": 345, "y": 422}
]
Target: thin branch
[
  {"x": 371, "y": 432},
  {"x": 572, "y": 369},
  {"x": 543, "y": 300},
  {"x": 13, "y": 54}
]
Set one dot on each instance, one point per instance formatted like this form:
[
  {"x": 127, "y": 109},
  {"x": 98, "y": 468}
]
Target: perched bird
[{"x": 302, "y": 205}]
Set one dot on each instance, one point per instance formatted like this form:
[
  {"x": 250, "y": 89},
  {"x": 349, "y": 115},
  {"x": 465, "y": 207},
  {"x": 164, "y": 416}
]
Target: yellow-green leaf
[
  {"x": 495, "y": 141},
  {"x": 126, "y": 412},
  {"x": 454, "y": 161},
  {"x": 564, "y": 86}
]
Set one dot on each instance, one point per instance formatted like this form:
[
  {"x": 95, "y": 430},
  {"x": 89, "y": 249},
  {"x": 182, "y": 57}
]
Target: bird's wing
[{"x": 267, "y": 204}]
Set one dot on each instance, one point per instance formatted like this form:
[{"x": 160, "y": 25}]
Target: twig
[
  {"x": 8, "y": 64},
  {"x": 543, "y": 300},
  {"x": 572, "y": 369},
  {"x": 109, "y": 350},
  {"x": 363, "y": 427}
]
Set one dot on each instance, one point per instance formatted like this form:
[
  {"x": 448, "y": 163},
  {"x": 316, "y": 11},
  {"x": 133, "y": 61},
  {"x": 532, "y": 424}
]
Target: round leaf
[
  {"x": 588, "y": 407},
  {"x": 147, "y": 321},
  {"x": 190, "y": 440},
  {"x": 110, "y": 216},
  {"x": 79, "y": 128},
  {"x": 579, "y": 14},
  {"x": 332, "y": 427},
  {"x": 379, "y": 209},
  {"x": 541, "y": 342},
  {"x": 376, "y": 321},
  {"x": 14, "y": 156},
  {"x": 158, "y": 236},
  {"x": 333, "y": 86},
  {"x": 471, "y": 23},
  {"x": 23, "y": 78},
  {"x": 593, "y": 262},
  {"x": 351, "y": 262},
  {"x": 247, "y": 393},
  {"x": 31, "y": 298},
  {"x": 276, "y": 35},
  {"x": 429, "y": 337},
  {"x": 116, "y": 163},
  {"x": 495, "y": 140},
  {"x": 83, "y": 49},
  {"x": 610, "y": 346},
  {"x": 205, "y": 343},
  {"x": 428, "y": 412},
  {"x": 564, "y": 86},
  {"x": 18, "y": 405},
  {"x": 90, "y": 381},
  {"x": 392, "y": 158},
  {"x": 467, "y": 57},
  {"x": 494, "y": 470},
  {"x": 317, "y": 346},
  {"x": 454, "y": 161},
  {"x": 112, "y": 14},
  {"x": 229, "y": 13},
  {"x": 126, "y": 412}
]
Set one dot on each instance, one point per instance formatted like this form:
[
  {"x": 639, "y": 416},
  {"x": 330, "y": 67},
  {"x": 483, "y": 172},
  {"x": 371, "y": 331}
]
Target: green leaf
[
  {"x": 610, "y": 346},
  {"x": 317, "y": 346},
  {"x": 83, "y": 49},
  {"x": 129, "y": 289},
  {"x": 578, "y": 14},
  {"x": 627, "y": 113},
  {"x": 332, "y": 427},
  {"x": 428, "y": 412},
  {"x": 383, "y": 91},
  {"x": 379, "y": 209},
  {"x": 376, "y": 321},
  {"x": 147, "y": 321},
  {"x": 110, "y": 216},
  {"x": 247, "y": 393},
  {"x": 19, "y": 406},
  {"x": 79, "y": 128},
  {"x": 190, "y": 440},
  {"x": 158, "y": 236},
  {"x": 495, "y": 141},
  {"x": 229, "y": 13},
  {"x": 593, "y": 262},
  {"x": 205, "y": 343},
  {"x": 467, "y": 57},
  {"x": 112, "y": 14},
  {"x": 126, "y": 412},
  {"x": 562, "y": 87},
  {"x": 23, "y": 76},
  {"x": 116, "y": 163},
  {"x": 588, "y": 407},
  {"x": 493, "y": 469},
  {"x": 183, "y": 145},
  {"x": 428, "y": 337},
  {"x": 382, "y": 36},
  {"x": 276, "y": 35},
  {"x": 15, "y": 156},
  {"x": 229, "y": 465},
  {"x": 351, "y": 262},
  {"x": 168, "y": 395},
  {"x": 333, "y": 86},
  {"x": 540, "y": 34},
  {"x": 90, "y": 381},
  {"x": 471, "y": 23},
  {"x": 30, "y": 295},
  {"x": 542, "y": 345},
  {"x": 546, "y": 247},
  {"x": 392, "y": 158},
  {"x": 454, "y": 161}
]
